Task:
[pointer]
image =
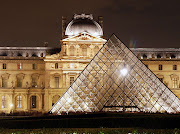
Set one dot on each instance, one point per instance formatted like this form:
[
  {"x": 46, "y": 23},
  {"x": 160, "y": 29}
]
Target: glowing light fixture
[
  {"x": 11, "y": 105},
  {"x": 124, "y": 71}
]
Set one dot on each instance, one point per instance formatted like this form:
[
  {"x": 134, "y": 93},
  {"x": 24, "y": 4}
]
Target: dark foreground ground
[
  {"x": 90, "y": 131},
  {"x": 132, "y": 123}
]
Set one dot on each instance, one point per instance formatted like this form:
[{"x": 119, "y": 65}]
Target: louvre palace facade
[{"x": 34, "y": 78}]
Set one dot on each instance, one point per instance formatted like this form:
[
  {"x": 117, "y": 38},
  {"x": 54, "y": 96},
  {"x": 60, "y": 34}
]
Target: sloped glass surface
[{"x": 116, "y": 80}]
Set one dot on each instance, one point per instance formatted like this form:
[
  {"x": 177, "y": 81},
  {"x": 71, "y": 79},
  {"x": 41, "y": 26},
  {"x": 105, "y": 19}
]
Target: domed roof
[{"x": 83, "y": 23}]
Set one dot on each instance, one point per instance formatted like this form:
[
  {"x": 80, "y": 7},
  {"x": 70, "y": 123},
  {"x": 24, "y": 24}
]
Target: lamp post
[{"x": 124, "y": 72}]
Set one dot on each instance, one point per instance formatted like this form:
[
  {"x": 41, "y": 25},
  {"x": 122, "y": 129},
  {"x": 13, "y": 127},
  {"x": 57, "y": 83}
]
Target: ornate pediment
[
  {"x": 174, "y": 76},
  {"x": 6, "y": 76},
  {"x": 84, "y": 37},
  {"x": 20, "y": 75}
]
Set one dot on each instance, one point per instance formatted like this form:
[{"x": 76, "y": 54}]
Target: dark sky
[{"x": 147, "y": 23}]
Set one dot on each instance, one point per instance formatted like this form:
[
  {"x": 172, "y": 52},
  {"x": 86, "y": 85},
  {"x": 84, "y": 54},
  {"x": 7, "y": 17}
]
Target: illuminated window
[
  {"x": 34, "y": 82},
  {"x": 19, "y": 82},
  {"x": 56, "y": 65},
  {"x": 4, "y": 66},
  {"x": 56, "y": 82},
  {"x": 34, "y": 66},
  {"x": 19, "y": 101},
  {"x": 160, "y": 67},
  {"x": 19, "y": 66},
  {"x": 33, "y": 100},
  {"x": 4, "y": 82},
  {"x": 71, "y": 80},
  {"x": 4, "y": 102},
  {"x": 175, "y": 82},
  {"x": 174, "y": 67}
]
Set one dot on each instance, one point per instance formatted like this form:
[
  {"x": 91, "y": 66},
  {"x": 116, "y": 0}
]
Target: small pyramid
[{"x": 116, "y": 80}]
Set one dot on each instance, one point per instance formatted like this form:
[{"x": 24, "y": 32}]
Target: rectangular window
[
  {"x": 34, "y": 66},
  {"x": 160, "y": 67},
  {"x": 33, "y": 101},
  {"x": 174, "y": 67},
  {"x": 19, "y": 66},
  {"x": 71, "y": 80},
  {"x": 175, "y": 83},
  {"x": 56, "y": 82},
  {"x": 34, "y": 82},
  {"x": 4, "y": 66},
  {"x": 19, "y": 82},
  {"x": 4, "y": 102},
  {"x": 4, "y": 82},
  {"x": 19, "y": 101}
]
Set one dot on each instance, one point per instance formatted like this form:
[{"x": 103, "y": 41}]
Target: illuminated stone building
[{"x": 34, "y": 78}]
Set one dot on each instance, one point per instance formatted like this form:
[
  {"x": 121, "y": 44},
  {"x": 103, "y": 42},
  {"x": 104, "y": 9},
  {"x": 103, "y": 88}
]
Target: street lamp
[{"x": 11, "y": 108}]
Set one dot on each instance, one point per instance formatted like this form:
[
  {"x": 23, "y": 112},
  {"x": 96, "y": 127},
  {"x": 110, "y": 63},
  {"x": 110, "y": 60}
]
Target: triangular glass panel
[{"x": 116, "y": 80}]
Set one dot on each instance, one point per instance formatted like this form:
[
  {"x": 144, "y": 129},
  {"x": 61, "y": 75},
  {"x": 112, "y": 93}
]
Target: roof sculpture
[{"x": 116, "y": 80}]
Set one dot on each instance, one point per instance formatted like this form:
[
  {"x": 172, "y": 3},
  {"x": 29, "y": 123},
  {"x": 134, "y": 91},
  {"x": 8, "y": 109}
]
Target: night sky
[{"x": 144, "y": 23}]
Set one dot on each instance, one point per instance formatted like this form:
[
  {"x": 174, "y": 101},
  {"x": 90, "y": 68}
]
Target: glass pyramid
[{"x": 116, "y": 80}]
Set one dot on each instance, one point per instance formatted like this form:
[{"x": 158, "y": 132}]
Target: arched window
[
  {"x": 84, "y": 51},
  {"x": 19, "y": 101},
  {"x": 56, "y": 65},
  {"x": 33, "y": 101},
  {"x": 72, "y": 50},
  {"x": 4, "y": 104}
]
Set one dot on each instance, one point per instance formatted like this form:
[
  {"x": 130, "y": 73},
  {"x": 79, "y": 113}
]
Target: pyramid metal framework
[{"x": 116, "y": 80}]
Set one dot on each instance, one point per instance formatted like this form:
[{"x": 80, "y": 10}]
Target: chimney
[{"x": 63, "y": 26}]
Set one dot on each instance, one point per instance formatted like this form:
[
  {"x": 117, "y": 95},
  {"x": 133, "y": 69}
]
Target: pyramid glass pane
[{"x": 116, "y": 80}]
